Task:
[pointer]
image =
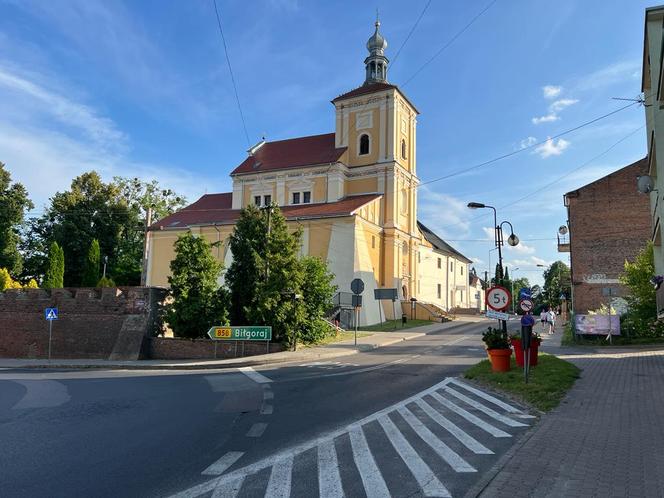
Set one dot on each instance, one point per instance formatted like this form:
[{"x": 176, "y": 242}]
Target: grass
[
  {"x": 341, "y": 336},
  {"x": 547, "y": 382},
  {"x": 389, "y": 325}
]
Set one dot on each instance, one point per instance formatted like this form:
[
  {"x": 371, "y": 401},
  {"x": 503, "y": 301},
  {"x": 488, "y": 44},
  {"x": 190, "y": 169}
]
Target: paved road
[{"x": 391, "y": 422}]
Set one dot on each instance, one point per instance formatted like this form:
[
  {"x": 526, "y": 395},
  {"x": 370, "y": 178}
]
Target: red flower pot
[
  {"x": 518, "y": 352},
  {"x": 500, "y": 359}
]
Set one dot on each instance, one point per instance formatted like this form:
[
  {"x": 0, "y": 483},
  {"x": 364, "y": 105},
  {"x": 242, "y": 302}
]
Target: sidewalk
[
  {"x": 314, "y": 353},
  {"x": 605, "y": 438}
]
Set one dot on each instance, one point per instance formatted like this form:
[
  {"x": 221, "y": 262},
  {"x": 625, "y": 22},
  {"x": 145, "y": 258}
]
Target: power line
[
  {"x": 451, "y": 40},
  {"x": 523, "y": 149},
  {"x": 230, "y": 70},
  {"x": 396, "y": 56}
]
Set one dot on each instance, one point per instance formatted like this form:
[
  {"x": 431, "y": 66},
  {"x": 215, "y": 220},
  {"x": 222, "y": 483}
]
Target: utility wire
[
  {"x": 519, "y": 151},
  {"x": 230, "y": 70},
  {"x": 396, "y": 56},
  {"x": 451, "y": 40}
]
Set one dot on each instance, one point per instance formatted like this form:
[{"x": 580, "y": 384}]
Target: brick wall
[
  {"x": 163, "y": 348},
  {"x": 93, "y": 323},
  {"x": 609, "y": 222}
]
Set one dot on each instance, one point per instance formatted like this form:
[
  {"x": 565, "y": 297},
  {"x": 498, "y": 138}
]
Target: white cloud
[
  {"x": 477, "y": 261},
  {"x": 527, "y": 142},
  {"x": 552, "y": 147},
  {"x": 489, "y": 232},
  {"x": 560, "y": 104},
  {"x": 618, "y": 72},
  {"x": 443, "y": 213},
  {"x": 548, "y": 118},
  {"x": 521, "y": 248},
  {"x": 551, "y": 91},
  {"x": 531, "y": 263}
]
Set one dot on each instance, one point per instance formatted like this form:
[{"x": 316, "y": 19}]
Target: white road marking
[
  {"x": 492, "y": 399},
  {"x": 228, "y": 489},
  {"x": 424, "y": 476},
  {"x": 257, "y": 430},
  {"x": 254, "y": 375},
  {"x": 445, "y": 452},
  {"x": 374, "y": 485},
  {"x": 329, "y": 479},
  {"x": 485, "y": 426},
  {"x": 491, "y": 413},
  {"x": 466, "y": 439},
  {"x": 279, "y": 485},
  {"x": 220, "y": 466},
  {"x": 42, "y": 394}
]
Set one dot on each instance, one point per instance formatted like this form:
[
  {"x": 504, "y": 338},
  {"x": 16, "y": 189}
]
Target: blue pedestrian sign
[
  {"x": 525, "y": 293},
  {"x": 51, "y": 313}
]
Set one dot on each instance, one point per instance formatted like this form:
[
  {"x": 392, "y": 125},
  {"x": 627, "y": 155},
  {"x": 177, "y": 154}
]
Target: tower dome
[{"x": 376, "y": 62}]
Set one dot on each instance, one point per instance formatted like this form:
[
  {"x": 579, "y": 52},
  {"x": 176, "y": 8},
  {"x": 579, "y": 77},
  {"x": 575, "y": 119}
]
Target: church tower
[{"x": 377, "y": 124}]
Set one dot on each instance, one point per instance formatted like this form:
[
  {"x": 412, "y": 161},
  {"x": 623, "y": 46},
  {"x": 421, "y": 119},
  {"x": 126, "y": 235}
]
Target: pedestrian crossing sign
[{"x": 51, "y": 313}]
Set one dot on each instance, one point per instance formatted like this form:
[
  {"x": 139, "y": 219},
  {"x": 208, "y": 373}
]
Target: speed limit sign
[{"x": 498, "y": 298}]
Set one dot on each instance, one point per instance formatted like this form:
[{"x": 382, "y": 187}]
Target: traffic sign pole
[{"x": 50, "y": 335}]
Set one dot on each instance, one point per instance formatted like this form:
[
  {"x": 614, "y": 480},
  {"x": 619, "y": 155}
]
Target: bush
[
  {"x": 495, "y": 339},
  {"x": 106, "y": 282}
]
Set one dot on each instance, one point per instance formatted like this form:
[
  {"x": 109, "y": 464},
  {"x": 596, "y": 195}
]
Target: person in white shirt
[
  {"x": 551, "y": 320},
  {"x": 544, "y": 316}
]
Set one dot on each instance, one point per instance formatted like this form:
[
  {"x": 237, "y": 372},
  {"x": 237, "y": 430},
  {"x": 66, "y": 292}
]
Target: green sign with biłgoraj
[{"x": 250, "y": 333}]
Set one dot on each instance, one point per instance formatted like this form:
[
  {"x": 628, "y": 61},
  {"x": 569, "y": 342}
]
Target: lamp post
[{"x": 512, "y": 240}]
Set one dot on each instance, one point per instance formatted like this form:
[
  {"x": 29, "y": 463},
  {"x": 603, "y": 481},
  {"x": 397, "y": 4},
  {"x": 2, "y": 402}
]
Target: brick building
[{"x": 609, "y": 222}]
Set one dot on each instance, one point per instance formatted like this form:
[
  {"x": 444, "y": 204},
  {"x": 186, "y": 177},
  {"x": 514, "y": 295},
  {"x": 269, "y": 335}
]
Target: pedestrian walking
[
  {"x": 544, "y": 315},
  {"x": 551, "y": 320}
]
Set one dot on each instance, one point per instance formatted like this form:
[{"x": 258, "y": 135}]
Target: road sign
[
  {"x": 51, "y": 313},
  {"x": 252, "y": 333},
  {"x": 357, "y": 286},
  {"x": 498, "y": 315},
  {"x": 498, "y": 298},
  {"x": 525, "y": 293},
  {"x": 535, "y": 291},
  {"x": 526, "y": 305},
  {"x": 357, "y": 301},
  {"x": 390, "y": 294}
]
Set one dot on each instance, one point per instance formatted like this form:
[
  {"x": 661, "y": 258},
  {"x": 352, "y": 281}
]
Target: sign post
[
  {"x": 527, "y": 322},
  {"x": 253, "y": 333},
  {"x": 50, "y": 314},
  {"x": 357, "y": 286},
  {"x": 498, "y": 298}
]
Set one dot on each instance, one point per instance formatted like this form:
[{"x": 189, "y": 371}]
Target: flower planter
[
  {"x": 500, "y": 359},
  {"x": 518, "y": 352}
]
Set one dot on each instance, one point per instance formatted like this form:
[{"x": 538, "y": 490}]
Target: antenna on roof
[{"x": 641, "y": 99}]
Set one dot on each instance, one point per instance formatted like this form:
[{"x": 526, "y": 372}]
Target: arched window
[
  {"x": 364, "y": 144},
  {"x": 403, "y": 148}
]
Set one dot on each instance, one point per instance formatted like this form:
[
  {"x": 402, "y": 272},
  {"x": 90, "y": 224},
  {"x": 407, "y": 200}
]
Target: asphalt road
[{"x": 391, "y": 422}]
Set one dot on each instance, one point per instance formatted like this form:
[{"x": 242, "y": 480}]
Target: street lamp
[{"x": 512, "y": 240}]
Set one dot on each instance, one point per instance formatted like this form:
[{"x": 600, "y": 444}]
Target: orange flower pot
[{"x": 500, "y": 359}]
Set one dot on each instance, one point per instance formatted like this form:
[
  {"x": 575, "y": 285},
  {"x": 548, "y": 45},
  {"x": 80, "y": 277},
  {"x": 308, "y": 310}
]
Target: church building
[{"x": 353, "y": 192}]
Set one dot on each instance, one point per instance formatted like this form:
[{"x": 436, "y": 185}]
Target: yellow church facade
[{"x": 354, "y": 194}]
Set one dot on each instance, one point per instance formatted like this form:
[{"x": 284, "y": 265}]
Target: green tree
[
  {"x": 14, "y": 203},
  {"x": 317, "y": 294},
  {"x": 641, "y": 316},
  {"x": 506, "y": 278},
  {"x": 138, "y": 196},
  {"x": 54, "y": 278},
  {"x": 198, "y": 301},
  {"x": 557, "y": 281},
  {"x": 245, "y": 274},
  {"x": 92, "y": 263},
  {"x": 498, "y": 277}
]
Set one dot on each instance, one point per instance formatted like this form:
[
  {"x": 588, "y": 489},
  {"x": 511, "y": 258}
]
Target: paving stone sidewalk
[{"x": 606, "y": 439}]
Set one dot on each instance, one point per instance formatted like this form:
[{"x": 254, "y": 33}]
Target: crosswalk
[
  {"x": 421, "y": 446},
  {"x": 328, "y": 365}
]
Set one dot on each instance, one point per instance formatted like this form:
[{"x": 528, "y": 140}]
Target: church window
[
  {"x": 403, "y": 149},
  {"x": 267, "y": 200},
  {"x": 257, "y": 200},
  {"x": 306, "y": 197},
  {"x": 439, "y": 291},
  {"x": 451, "y": 266},
  {"x": 296, "y": 197},
  {"x": 461, "y": 270},
  {"x": 364, "y": 144},
  {"x": 438, "y": 262}
]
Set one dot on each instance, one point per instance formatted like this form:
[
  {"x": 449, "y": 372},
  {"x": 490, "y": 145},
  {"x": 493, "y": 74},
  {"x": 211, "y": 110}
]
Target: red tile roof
[
  {"x": 373, "y": 88},
  {"x": 211, "y": 209},
  {"x": 292, "y": 153}
]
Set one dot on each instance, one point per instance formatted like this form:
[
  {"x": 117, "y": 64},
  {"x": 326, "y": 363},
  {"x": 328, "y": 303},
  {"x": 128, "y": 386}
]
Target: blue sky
[{"x": 142, "y": 88}]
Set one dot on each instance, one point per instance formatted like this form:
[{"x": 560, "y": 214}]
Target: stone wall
[
  {"x": 163, "y": 348},
  {"x": 109, "y": 323},
  {"x": 609, "y": 223}
]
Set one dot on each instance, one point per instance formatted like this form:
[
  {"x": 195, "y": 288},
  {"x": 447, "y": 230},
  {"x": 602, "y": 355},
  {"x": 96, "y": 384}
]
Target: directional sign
[
  {"x": 357, "y": 286},
  {"x": 51, "y": 313},
  {"x": 253, "y": 333},
  {"x": 524, "y": 293},
  {"x": 497, "y": 315},
  {"x": 526, "y": 305},
  {"x": 498, "y": 298}
]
